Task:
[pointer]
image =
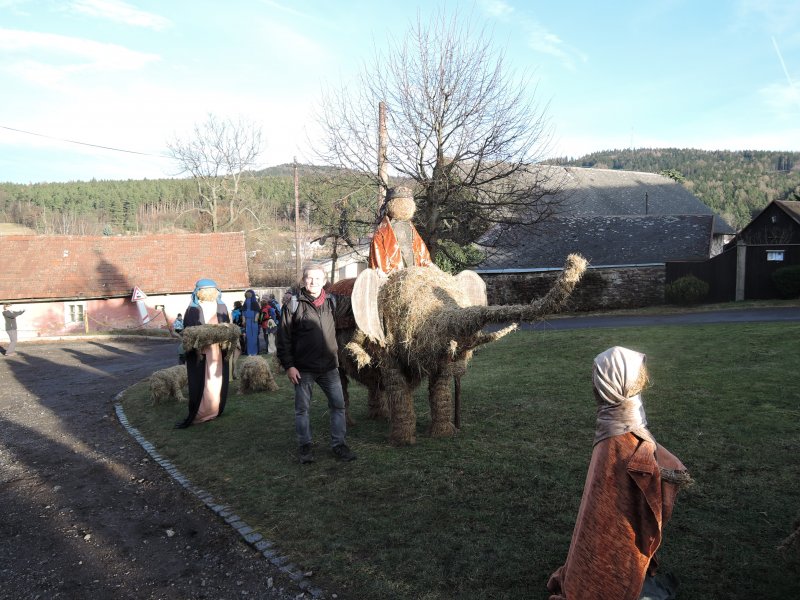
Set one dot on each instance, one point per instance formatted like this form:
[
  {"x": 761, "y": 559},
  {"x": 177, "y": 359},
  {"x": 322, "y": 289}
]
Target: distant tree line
[
  {"x": 333, "y": 205},
  {"x": 340, "y": 208}
]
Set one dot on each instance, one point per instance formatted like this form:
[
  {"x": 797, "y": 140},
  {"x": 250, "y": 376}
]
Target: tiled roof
[
  {"x": 603, "y": 240},
  {"x": 621, "y": 193},
  {"x": 52, "y": 267}
]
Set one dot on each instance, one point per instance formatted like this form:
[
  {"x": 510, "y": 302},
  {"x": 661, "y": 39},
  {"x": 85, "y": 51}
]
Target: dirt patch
[{"x": 86, "y": 512}]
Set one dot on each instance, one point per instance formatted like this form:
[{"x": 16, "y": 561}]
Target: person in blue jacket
[{"x": 251, "y": 313}]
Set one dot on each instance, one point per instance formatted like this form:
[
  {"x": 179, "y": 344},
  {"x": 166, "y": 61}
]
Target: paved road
[
  {"x": 85, "y": 512},
  {"x": 748, "y": 315}
]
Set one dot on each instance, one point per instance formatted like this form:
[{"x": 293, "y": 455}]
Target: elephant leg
[
  {"x": 402, "y": 418},
  {"x": 459, "y": 367},
  {"x": 345, "y": 385},
  {"x": 441, "y": 405},
  {"x": 457, "y": 401},
  {"x": 377, "y": 403}
]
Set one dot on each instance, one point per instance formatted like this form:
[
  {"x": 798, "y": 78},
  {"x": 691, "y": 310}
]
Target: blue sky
[{"x": 131, "y": 75}]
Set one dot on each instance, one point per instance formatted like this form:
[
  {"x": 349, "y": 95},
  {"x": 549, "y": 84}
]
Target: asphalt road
[
  {"x": 748, "y": 315},
  {"x": 85, "y": 512}
]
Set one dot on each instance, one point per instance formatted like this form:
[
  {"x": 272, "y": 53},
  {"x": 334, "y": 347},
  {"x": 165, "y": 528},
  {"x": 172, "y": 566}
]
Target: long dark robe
[
  {"x": 250, "y": 312},
  {"x": 196, "y": 366}
]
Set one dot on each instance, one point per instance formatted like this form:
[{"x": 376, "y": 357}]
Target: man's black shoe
[
  {"x": 305, "y": 454},
  {"x": 343, "y": 453}
]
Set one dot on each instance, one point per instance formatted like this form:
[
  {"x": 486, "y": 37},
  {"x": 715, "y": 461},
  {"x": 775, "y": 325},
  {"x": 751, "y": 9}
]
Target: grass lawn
[{"x": 489, "y": 513}]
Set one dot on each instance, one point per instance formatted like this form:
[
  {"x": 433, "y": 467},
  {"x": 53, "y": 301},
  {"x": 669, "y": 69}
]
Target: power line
[{"x": 50, "y": 137}]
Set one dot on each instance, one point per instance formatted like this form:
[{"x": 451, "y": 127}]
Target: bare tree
[
  {"x": 343, "y": 205},
  {"x": 467, "y": 132},
  {"x": 218, "y": 156}
]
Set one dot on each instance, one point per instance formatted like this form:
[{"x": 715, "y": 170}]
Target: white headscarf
[{"x": 614, "y": 374}]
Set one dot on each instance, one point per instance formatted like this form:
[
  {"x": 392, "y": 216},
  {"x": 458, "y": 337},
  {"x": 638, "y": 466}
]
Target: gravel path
[{"x": 86, "y": 512}]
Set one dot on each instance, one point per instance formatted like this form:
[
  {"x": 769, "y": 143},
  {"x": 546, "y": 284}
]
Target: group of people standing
[
  {"x": 306, "y": 348},
  {"x": 256, "y": 319}
]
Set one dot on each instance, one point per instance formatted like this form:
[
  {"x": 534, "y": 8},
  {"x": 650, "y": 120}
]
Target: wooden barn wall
[
  {"x": 718, "y": 272},
  {"x": 758, "y": 282}
]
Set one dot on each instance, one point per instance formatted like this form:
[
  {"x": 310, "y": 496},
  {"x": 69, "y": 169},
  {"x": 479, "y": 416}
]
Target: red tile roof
[{"x": 71, "y": 266}]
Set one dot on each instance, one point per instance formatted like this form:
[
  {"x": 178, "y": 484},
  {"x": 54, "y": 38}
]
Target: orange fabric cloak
[{"x": 384, "y": 251}]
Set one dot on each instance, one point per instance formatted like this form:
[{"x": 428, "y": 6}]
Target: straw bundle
[
  {"x": 198, "y": 337},
  {"x": 407, "y": 301},
  {"x": 431, "y": 323},
  {"x": 256, "y": 376},
  {"x": 168, "y": 384},
  {"x": 402, "y": 417}
]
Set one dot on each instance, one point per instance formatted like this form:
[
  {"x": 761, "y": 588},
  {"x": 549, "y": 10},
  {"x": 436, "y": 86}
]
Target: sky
[{"x": 95, "y": 89}]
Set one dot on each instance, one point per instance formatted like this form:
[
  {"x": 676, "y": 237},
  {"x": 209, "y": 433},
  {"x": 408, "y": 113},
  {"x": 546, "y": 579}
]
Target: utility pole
[
  {"x": 383, "y": 142},
  {"x": 298, "y": 260}
]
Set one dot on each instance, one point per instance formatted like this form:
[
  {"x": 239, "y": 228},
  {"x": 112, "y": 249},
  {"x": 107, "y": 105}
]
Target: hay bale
[
  {"x": 256, "y": 376},
  {"x": 421, "y": 340},
  {"x": 198, "y": 337},
  {"x": 168, "y": 384}
]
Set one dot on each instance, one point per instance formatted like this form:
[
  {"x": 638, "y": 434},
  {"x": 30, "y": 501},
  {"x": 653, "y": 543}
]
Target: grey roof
[
  {"x": 603, "y": 241},
  {"x": 791, "y": 208},
  {"x": 621, "y": 193}
]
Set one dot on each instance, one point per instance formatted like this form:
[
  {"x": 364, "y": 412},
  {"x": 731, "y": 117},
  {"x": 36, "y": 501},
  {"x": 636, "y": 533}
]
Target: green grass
[{"x": 489, "y": 513}]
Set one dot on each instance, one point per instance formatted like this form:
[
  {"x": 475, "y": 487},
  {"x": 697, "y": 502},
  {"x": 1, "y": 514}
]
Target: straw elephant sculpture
[{"x": 426, "y": 324}]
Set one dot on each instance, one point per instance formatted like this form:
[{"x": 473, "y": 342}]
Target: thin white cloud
[
  {"x": 777, "y": 16},
  {"x": 284, "y": 8},
  {"x": 15, "y": 7},
  {"x": 497, "y": 8},
  {"x": 59, "y": 56},
  {"x": 295, "y": 44},
  {"x": 783, "y": 100},
  {"x": 538, "y": 37},
  {"x": 120, "y": 12}
]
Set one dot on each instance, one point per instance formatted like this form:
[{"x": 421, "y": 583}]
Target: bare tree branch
[
  {"x": 463, "y": 128},
  {"x": 217, "y": 156}
]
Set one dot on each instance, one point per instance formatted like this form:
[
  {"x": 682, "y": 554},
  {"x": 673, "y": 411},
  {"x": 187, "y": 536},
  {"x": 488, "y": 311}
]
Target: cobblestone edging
[{"x": 267, "y": 548}]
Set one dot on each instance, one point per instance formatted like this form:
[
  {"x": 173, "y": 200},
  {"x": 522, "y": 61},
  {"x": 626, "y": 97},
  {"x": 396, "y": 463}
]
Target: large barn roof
[
  {"x": 58, "y": 267},
  {"x": 623, "y": 193},
  {"x": 603, "y": 241}
]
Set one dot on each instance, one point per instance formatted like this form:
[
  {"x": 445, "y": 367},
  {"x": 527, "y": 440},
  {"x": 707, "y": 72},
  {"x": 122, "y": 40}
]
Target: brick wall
[{"x": 623, "y": 287}]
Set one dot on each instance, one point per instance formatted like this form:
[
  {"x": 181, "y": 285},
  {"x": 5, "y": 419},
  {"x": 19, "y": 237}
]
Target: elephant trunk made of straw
[{"x": 431, "y": 324}]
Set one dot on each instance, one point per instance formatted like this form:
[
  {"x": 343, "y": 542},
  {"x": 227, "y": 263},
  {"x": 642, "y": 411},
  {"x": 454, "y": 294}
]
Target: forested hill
[{"x": 737, "y": 185}]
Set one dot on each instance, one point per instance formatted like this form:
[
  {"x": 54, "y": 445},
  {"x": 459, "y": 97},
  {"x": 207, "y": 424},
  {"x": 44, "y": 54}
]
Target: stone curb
[{"x": 251, "y": 537}]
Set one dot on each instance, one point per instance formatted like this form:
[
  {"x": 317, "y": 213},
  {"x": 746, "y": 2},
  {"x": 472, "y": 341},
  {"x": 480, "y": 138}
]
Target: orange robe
[
  {"x": 623, "y": 510},
  {"x": 384, "y": 252}
]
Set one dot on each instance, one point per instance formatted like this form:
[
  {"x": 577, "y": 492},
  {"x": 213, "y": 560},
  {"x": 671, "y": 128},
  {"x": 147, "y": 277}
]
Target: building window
[
  {"x": 775, "y": 255},
  {"x": 74, "y": 313}
]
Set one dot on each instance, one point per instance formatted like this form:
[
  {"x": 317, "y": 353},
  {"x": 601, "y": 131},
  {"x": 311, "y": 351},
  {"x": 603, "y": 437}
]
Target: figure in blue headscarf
[
  {"x": 251, "y": 311},
  {"x": 206, "y": 368}
]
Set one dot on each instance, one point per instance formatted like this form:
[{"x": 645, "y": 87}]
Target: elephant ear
[
  {"x": 473, "y": 287},
  {"x": 365, "y": 304}
]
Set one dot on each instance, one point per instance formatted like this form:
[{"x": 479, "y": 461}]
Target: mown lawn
[{"x": 489, "y": 513}]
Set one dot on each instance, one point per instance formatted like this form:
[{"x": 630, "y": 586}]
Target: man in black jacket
[{"x": 307, "y": 350}]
